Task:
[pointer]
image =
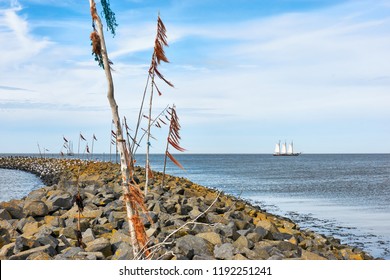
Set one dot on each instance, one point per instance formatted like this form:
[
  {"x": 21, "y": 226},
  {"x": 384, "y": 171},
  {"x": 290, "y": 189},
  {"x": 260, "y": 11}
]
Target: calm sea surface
[{"x": 346, "y": 196}]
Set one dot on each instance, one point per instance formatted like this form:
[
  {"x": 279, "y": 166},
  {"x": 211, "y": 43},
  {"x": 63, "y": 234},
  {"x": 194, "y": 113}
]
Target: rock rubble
[{"x": 186, "y": 220}]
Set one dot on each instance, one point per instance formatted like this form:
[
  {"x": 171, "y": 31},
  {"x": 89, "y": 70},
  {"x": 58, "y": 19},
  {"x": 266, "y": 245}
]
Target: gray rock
[
  {"x": 70, "y": 232},
  {"x": 5, "y": 215},
  {"x": 286, "y": 246},
  {"x": 190, "y": 245},
  {"x": 229, "y": 230},
  {"x": 196, "y": 257},
  {"x": 100, "y": 245},
  {"x": 244, "y": 232},
  {"x": 212, "y": 218},
  {"x": 44, "y": 230},
  {"x": 261, "y": 253},
  {"x": 35, "y": 208},
  {"x": 69, "y": 253},
  {"x": 24, "y": 254},
  {"x": 60, "y": 200},
  {"x": 224, "y": 251},
  {"x": 88, "y": 235},
  {"x": 90, "y": 255},
  {"x": 123, "y": 252},
  {"x": 119, "y": 237},
  {"x": 92, "y": 189},
  {"x": 254, "y": 237},
  {"x": 64, "y": 240},
  {"x": 36, "y": 195},
  {"x": 50, "y": 240},
  {"x": 262, "y": 232},
  {"x": 23, "y": 244}
]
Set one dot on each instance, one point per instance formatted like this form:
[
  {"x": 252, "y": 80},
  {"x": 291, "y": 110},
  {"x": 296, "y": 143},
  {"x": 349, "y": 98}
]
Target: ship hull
[{"x": 286, "y": 155}]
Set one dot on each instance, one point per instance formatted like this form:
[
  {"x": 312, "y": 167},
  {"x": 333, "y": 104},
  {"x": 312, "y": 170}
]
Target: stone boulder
[
  {"x": 190, "y": 245},
  {"x": 14, "y": 208},
  {"x": 60, "y": 200},
  {"x": 35, "y": 208},
  {"x": 224, "y": 251},
  {"x": 99, "y": 245},
  {"x": 5, "y": 215}
]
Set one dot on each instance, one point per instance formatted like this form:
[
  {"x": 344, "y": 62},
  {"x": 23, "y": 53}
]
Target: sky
[{"x": 247, "y": 73}]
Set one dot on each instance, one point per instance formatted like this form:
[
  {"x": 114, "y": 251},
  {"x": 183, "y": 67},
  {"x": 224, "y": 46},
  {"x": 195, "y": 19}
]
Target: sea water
[
  {"x": 15, "y": 184},
  {"x": 346, "y": 196}
]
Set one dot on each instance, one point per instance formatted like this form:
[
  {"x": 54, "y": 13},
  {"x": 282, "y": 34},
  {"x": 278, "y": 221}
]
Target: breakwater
[{"x": 200, "y": 222}]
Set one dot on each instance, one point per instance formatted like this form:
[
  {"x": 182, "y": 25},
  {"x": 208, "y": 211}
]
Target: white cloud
[{"x": 16, "y": 41}]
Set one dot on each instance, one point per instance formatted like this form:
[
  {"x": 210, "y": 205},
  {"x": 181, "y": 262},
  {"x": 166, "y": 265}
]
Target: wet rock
[{"x": 35, "y": 208}]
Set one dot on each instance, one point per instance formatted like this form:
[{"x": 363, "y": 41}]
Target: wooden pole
[{"x": 121, "y": 143}]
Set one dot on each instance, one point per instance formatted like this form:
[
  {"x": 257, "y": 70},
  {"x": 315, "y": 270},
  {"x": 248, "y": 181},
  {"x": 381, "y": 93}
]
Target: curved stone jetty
[{"x": 186, "y": 220}]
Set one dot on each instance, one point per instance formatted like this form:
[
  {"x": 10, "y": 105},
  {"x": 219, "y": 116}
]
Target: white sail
[
  {"x": 284, "y": 148},
  {"x": 277, "y": 148},
  {"x": 290, "y": 149}
]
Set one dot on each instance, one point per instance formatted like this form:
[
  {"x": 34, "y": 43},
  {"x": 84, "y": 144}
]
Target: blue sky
[{"x": 247, "y": 73}]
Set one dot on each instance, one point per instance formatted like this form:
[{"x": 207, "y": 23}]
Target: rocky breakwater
[{"x": 186, "y": 221}]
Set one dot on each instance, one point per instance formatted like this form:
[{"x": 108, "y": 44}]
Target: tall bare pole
[{"x": 121, "y": 143}]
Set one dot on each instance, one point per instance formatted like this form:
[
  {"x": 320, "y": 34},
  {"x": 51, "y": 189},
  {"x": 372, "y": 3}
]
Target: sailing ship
[
  {"x": 282, "y": 150},
  {"x": 69, "y": 150}
]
